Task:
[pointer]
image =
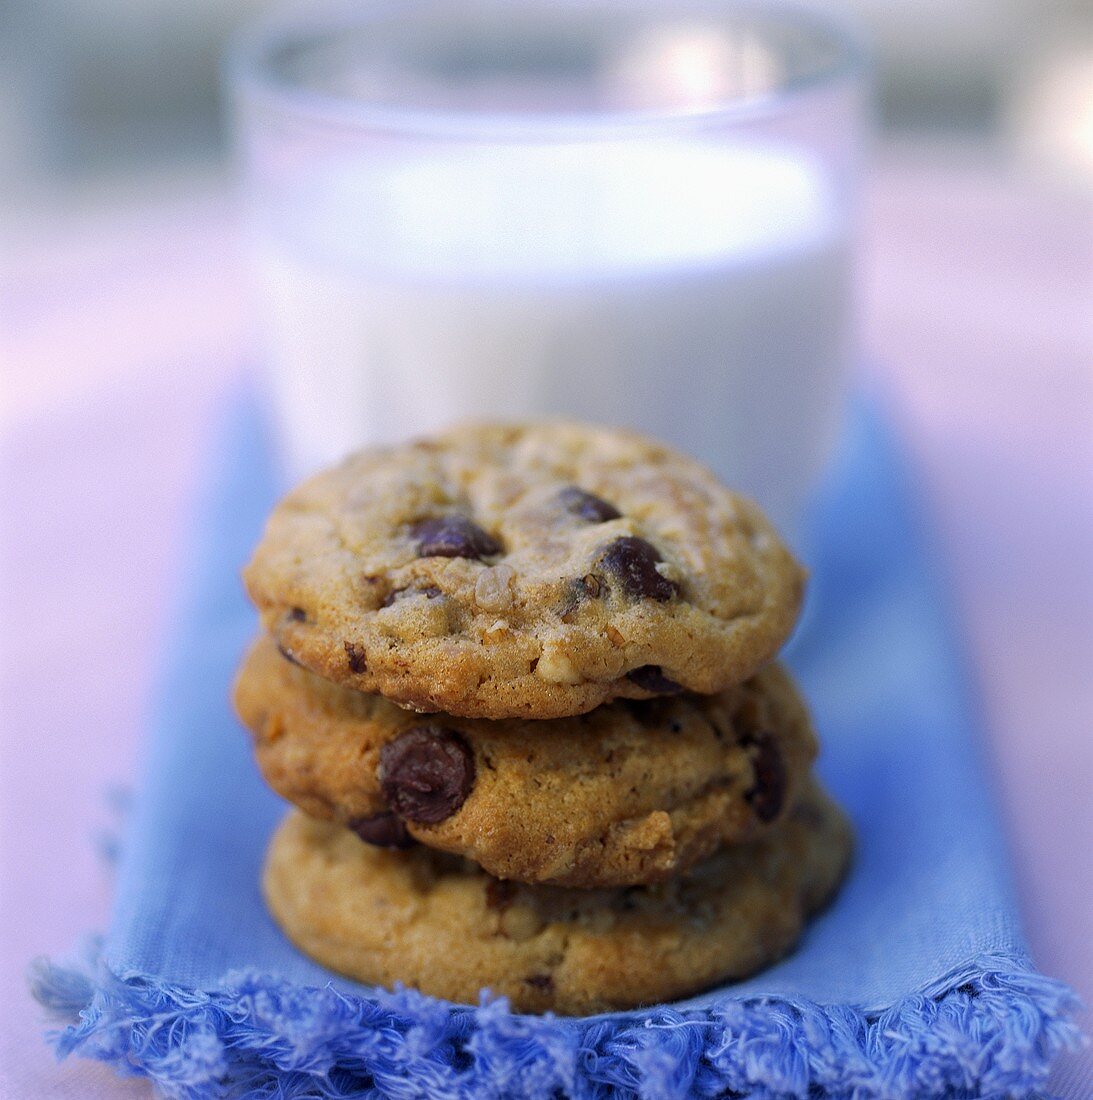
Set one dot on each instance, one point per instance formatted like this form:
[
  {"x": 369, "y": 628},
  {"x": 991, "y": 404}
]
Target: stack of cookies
[{"x": 519, "y": 681}]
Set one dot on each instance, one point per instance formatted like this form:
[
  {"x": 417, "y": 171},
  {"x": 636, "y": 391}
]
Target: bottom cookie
[{"x": 442, "y": 925}]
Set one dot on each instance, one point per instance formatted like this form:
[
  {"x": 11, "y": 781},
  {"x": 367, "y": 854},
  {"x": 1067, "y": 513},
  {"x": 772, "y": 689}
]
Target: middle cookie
[{"x": 629, "y": 793}]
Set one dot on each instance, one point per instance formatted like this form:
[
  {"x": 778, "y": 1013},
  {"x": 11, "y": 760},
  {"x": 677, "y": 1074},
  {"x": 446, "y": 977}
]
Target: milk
[{"x": 691, "y": 290}]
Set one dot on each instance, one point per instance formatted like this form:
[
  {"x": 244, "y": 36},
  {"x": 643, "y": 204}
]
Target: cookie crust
[
  {"x": 443, "y": 926},
  {"x": 523, "y": 571},
  {"x": 630, "y": 793}
]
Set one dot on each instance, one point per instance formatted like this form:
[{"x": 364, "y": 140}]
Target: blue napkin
[{"x": 915, "y": 982}]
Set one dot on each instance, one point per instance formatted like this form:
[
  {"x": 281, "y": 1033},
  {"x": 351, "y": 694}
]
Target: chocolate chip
[
  {"x": 650, "y": 713},
  {"x": 288, "y": 655},
  {"x": 426, "y": 773},
  {"x": 634, "y": 562},
  {"x": 499, "y": 894},
  {"x": 587, "y": 506},
  {"x": 768, "y": 792},
  {"x": 296, "y": 615},
  {"x": 452, "y": 536},
  {"x": 355, "y": 654},
  {"x": 543, "y": 982},
  {"x": 588, "y": 587},
  {"x": 651, "y": 678},
  {"x": 384, "y": 830}
]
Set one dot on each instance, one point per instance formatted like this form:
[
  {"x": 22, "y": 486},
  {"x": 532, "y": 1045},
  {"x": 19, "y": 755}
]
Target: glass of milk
[{"x": 640, "y": 212}]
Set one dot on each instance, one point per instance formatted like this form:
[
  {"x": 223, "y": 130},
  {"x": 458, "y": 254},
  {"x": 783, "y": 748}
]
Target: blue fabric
[{"x": 915, "y": 982}]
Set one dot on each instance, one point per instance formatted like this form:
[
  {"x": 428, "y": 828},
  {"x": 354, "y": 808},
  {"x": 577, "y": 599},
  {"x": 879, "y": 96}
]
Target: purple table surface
[{"x": 126, "y": 323}]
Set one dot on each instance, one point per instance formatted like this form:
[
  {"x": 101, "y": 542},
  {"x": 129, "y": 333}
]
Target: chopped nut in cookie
[
  {"x": 556, "y": 666},
  {"x": 493, "y": 588}
]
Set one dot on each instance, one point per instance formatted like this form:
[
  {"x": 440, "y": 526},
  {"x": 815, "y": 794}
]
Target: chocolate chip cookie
[
  {"x": 442, "y": 925},
  {"x": 534, "y": 571},
  {"x": 629, "y": 793}
]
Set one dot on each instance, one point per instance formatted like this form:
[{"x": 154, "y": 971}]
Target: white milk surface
[{"x": 693, "y": 291}]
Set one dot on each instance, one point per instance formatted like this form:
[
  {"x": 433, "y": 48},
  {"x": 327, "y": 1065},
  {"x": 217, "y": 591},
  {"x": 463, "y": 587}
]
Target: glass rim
[{"x": 249, "y": 75}]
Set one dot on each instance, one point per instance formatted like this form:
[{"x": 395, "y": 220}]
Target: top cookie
[{"x": 531, "y": 570}]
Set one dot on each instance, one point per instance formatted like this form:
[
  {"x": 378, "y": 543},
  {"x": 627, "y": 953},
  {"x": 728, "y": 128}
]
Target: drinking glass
[{"x": 640, "y": 212}]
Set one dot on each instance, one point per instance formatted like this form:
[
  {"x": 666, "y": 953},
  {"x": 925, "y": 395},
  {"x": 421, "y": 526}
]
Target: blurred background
[
  {"x": 125, "y": 318},
  {"x": 97, "y": 89}
]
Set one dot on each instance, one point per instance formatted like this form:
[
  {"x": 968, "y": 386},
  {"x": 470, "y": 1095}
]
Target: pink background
[{"x": 127, "y": 324}]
